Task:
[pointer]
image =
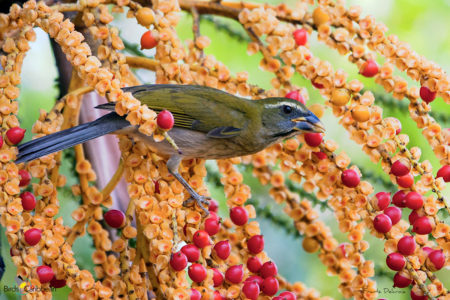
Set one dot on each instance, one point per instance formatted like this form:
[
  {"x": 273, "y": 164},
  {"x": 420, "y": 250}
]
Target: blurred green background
[{"x": 423, "y": 24}]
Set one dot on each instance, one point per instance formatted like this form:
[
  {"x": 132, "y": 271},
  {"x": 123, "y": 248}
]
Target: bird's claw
[{"x": 200, "y": 200}]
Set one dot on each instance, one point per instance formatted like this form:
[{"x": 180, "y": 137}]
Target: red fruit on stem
[
  {"x": 1, "y": 141},
  {"x": 320, "y": 155},
  {"x": 402, "y": 279},
  {"x": 217, "y": 277},
  {"x": 148, "y": 41},
  {"x": 268, "y": 269},
  {"x": 218, "y": 296},
  {"x": 25, "y": 178},
  {"x": 405, "y": 181},
  {"x": 295, "y": 95},
  {"x": 422, "y": 225},
  {"x": 426, "y": 94},
  {"x": 399, "y": 199},
  {"x": 270, "y": 286},
  {"x": 382, "y": 223},
  {"x": 251, "y": 290},
  {"x": 212, "y": 226},
  {"x": 178, "y": 261},
  {"x": 45, "y": 274},
  {"x": 254, "y": 264},
  {"x": 197, "y": 272},
  {"x": 288, "y": 296},
  {"x": 213, "y": 206},
  {"x": 28, "y": 201},
  {"x": 394, "y": 213},
  {"x": 195, "y": 294},
  {"x": 223, "y": 249},
  {"x": 444, "y": 172},
  {"x": 114, "y": 218},
  {"x": 417, "y": 294},
  {"x": 57, "y": 283},
  {"x": 406, "y": 245},
  {"x": 165, "y": 120},
  {"x": 255, "y": 278},
  {"x": 239, "y": 215},
  {"x": 341, "y": 248},
  {"x": 350, "y": 178},
  {"x": 317, "y": 85},
  {"x": 15, "y": 135},
  {"x": 201, "y": 239},
  {"x": 414, "y": 200},
  {"x": 191, "y": 251},
  {"x": 398, "y": 168},
  {"x": 213, "y": 215},
  {"x": 235, "y": 274},
  {"x": 381, "y": 200},
  {"x": 435, "y": 260},
  {"x": 395, "y": 261},
  {"x": 300, "y": 36},
  {"x": 369, "y": 68},
  {"x": 33, "y": 236},
  {"x": 255, "y": 244},
  {"x": 427, "y": 250},
  {"x": 413, "y": 216},
  {"x": 313, "y": 139}
]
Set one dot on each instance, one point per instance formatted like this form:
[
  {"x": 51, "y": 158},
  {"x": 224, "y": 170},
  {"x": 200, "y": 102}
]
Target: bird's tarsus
[{"x": 200, "y": 200}]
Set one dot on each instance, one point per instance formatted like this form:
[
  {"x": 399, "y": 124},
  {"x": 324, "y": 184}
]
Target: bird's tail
[{"x": 70, "y": 137}]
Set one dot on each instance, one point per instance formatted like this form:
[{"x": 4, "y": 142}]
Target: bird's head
[{"x": 283, "y": 117}]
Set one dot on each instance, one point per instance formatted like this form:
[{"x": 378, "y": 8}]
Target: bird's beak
[{"x": 309, "y": 123}]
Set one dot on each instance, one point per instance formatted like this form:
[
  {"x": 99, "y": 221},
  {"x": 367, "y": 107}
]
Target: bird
[{"x": 208, "y": 123}]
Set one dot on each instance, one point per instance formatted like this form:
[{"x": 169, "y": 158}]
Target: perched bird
[{"x": 209, "y": 124}]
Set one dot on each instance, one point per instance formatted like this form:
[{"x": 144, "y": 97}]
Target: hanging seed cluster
[{"x": 179, "y": 252}]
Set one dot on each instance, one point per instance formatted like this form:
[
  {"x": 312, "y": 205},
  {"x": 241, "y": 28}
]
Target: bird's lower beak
[
  {"x": 318, "y": 127},
  {"x": 309, "y": 124}
]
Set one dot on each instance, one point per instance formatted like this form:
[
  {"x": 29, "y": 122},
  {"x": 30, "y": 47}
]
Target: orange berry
[
  {"x": 148, "y": 41},
  {"x": 361, "y": 113},
  {"x": 320, "y": 16},
  {"x": 340, "y": 97},
  {"x": 145, "y": 16},
  {"x": 310, "y": 245}
]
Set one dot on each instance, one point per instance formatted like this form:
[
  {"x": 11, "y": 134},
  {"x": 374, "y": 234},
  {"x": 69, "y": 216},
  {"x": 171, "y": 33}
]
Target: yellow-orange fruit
[
  {"x": 145, "y": 16},
  {"x": 310, "y": 245},
  {"x": 361, "y": 113},
  {"x": 320, "y": 16},
  {"x": 340, "y": 97},
  {"x": 317, "y": 109}
]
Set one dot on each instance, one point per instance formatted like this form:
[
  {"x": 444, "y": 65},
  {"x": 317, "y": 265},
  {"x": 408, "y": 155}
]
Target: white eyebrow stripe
[{"x": 279, "y": 104}]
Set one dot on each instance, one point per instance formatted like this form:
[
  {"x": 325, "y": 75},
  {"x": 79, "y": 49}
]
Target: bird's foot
[{"x": 200, "y": 200}]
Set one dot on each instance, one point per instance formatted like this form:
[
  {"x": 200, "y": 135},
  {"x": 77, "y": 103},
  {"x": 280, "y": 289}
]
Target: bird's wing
[{"x": 208, "y": 110}]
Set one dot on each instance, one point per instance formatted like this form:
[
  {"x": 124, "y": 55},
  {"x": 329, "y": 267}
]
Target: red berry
[
  {"x": 369, "y": 68},
  {"x": 381, "y": 200},
  {"x": 45, "y": 274},
  {"x": 25, "y": 178},
  {"x": 295, "y": 95},
  {"x": 317, "y": 85},
  {"x": 427, "y": 250},
  {"x": 239, "y": 215},
  {"x": 156, "y": 183},
  {"x": 213, "y": 206},
  {"x": 1, "y": 141},
  {"x": 268, "y": 269},
  {"x": 33, "y": 236},
  {"x": 197, "y": 272},
  {"x": 300, "y": 37},
  {"x": 350, "y": 178},
  {"x": 251, "y": 290},
  {"x": 422, "y": 225},
  {"x": 426, "y": 94},
  {"x": 57, "y": 283},
  {"x": 254, "y": 264},
  {"x": 436, "y": 260},
  {"x": 218, "y": 296},
  {"x": 255, "y": 278},
  {"x": 28, "y": 201},
  {"x": 217, "y": 277},
  {"x": 406, "y": 245},
  {"x": 320, "y": 155},
  {"x": 394, "y": 213},
  {"x": 444, "y": 172},
  {"x": 165, "y": 120},
  {"x": 398, "y": 168},
  {"x": 178, "y": 261},
  {"x": 402, "y": 279},
  {"x": 405, "y": 181},
  {"x": 212, "y": 226},
  {"x": 382, "y": 223},
  {"x": 255, "y": 244},
  {"x": 192, "y": 252},
  {"x": 414, "y": 200},
  {"x": 201, "y": 239},
  {"x": 148, "y": 41},
  {"x": 195, "y": 294},
  {"x": 270, "y": 286},
  {"x": 223, "y": 249},
  {"x": 213, "y": 215},
  {"x": 413, "y": 216},
  {"x": 417, "y": 294},
  {"x": 114, "y": 218},
  {"x": 288, "y": 296},
  {"x": 235, "y": 274},
  {"x": 399, "y": 199},
  {"x": 395, "y": 261},
  {"x": 313, "y": 139},
  {"x": 341, "y": 248},
  {"x": 15, "y": 135}
]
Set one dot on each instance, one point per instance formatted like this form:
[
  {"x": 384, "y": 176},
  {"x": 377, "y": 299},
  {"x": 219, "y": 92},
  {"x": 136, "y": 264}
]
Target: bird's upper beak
[{"x": 309, "y": 123}]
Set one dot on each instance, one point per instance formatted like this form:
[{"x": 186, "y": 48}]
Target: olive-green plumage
[{"x": 209, "y": 124}]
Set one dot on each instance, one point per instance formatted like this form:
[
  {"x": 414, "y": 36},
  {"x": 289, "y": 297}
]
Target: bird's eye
[{"x": 287, "y": 109}]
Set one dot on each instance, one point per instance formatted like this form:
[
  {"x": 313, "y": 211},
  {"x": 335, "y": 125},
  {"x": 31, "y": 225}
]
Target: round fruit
[
  {"x": 300, "y": 37},
  {"x": 414, "y": 200},
  {"x": 402, "y": 279},
  {"x": 197, "y": 272},
  {"x": 369, "y": 68},
  {"x": 296, "y": 96},
  {"x": 218, "y": 296},
  {"x": 360, "y": 113},
  {"x": 381, "y": 200},
  {"x": 268, "y": 269},
  {"x": 313, "y": 139},
  {"x": 165, "y": 120},
  {"x": 15, "y": 135},
  {"x": 212, "y": 226},
  {"x": 45, "y": 274},
  {"x": 394, "y": 213},
  {"x": 255, "y": 244},
  {"x": 382, "y": 223},
  {"x": 255, "y": 278},
  {"x": 406, "y": 245},
  {"x": 270, "y": 286},
  {"x": 405, "y": 181},
  {"x": 178, "y": 261},
  {"x": 317, "y": 85},
  {"x": 201, "y": 239},
  {"x": 310, "y": 244},
  {"x": 217, "y": 277},
  {"x": 114, "y": 218},
  {"x": 223, "y": 249},
  {"x": 254, "y": 264},
  {"x": 444, "y": 172},
  {"x": 145, "y": 16},
  {"x": 251, "y": 290},
  {"x": 57, "y": 283},
  {"x": 239, "y": 215},
  {"x": 195, "y": 294},
  {"x": 413, "y": 216},
  {"x": 33, "y": 236},
  {"x": 25, "y": 178},
  {"x": 288, "y": 296},
  {"x": 350, "y": 178},
  {"x": 427, "y": 95},
  {"x": 213, "y": 206},
  {"x": 417, "y": 294},
  {"x": 340, "y": 97},
  {"x": 400, "y": 168},
  {"x": 435, "y": 260},
  {"x": 192, "y": 252},
  {"x": 399, "y": 199},
  {"x": 235, "y": 274},
  {"x": 422, "y": 225},
  {"x": 395, "y": 261},
  {"x": 320, "y": 155},
  {"x": 28, "y": 201}
]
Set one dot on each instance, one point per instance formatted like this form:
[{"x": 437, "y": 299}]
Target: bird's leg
[{"x": 172, "y": 165}]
